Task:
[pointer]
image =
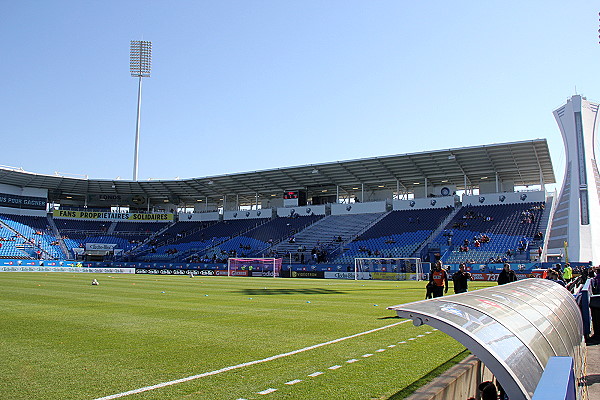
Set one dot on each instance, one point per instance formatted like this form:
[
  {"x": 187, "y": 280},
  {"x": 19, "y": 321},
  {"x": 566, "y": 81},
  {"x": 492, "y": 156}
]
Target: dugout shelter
[{"x": 516, "y": 330}]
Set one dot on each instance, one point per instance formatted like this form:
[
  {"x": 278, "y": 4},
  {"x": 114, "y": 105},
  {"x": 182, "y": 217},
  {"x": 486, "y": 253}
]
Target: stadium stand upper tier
[{"x": 476, "y": 234}]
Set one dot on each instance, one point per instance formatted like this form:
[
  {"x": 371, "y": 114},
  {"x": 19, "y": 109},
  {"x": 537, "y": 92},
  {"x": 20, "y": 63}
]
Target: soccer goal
[
  {"x": 389, "y": 269},
  {"x": 254, "y": 267}
]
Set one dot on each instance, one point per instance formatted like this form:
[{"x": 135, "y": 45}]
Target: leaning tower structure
[{"x": 575, "y": 229}]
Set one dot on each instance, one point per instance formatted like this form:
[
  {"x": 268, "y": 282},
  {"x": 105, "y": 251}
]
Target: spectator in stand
[{"x": 507, "y": 275}]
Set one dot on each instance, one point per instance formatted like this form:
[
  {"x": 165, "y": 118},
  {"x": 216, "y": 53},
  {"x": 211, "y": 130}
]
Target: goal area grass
[{"x": 174, "y": 337}]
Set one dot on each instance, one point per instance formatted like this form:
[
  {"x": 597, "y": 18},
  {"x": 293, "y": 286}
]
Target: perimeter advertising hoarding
[
  {"x": 513, "y": 329},
  {"x": 303, "y": 274},
  {"x": 26, "y": 268},
  {"x": 166, "y": 271}
]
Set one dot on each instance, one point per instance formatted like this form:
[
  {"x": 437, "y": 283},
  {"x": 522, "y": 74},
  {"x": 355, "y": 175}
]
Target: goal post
[
  {"x": 389, "y": 269},
  {"x": 270, "y": 267}
]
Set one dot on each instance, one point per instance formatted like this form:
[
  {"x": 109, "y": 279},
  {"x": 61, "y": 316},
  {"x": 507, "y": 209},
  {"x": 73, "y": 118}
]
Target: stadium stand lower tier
[
  {"x": 492, "y": 233},
  {"x": 469, "y": 233}
]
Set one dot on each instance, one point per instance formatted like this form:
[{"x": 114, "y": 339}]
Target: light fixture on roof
[
  {"x": 315, "y": 171},
  {"x": 484, "y": 177},
  {"x": 324, "y": 190},
  {"x": 355, "y": 188},
  {"x": 416, "y": 183},
  {"x": 451, "y": 157},
  {"x": 381, "y": 186},
  {"x": 199, "y": 200},
  {"x": 445, "y": 180}
]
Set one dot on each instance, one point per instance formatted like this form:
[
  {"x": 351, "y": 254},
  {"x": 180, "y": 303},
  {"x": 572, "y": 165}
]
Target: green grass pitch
[{"x": 62, "y": 338}]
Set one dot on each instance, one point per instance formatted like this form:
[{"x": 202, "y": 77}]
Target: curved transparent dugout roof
[{"x": 513, "y": 329}]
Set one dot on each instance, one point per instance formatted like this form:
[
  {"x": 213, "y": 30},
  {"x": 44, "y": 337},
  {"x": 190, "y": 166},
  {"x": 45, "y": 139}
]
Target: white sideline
[{"x": 218, "y": 371}]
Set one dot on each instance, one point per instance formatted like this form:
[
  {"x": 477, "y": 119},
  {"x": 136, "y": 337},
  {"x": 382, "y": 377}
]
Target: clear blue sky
[{"x": 251, "y": 85}]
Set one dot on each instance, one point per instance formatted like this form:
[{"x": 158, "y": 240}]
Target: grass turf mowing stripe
[{"x": 218, "y": 371}]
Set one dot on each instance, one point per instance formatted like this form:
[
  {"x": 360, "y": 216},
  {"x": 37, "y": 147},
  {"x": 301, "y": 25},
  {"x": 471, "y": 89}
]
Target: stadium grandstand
[{"x": 317, "y": 215}]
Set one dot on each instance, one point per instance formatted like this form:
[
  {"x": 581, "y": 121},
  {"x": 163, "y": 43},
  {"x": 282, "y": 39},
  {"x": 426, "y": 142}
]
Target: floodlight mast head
[{"x": 140, "y": 63}]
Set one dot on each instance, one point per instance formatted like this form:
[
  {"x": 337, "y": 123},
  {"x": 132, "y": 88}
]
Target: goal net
[
  {"x": 254, "y": 267},
  {"x": 389, "y": 269}
]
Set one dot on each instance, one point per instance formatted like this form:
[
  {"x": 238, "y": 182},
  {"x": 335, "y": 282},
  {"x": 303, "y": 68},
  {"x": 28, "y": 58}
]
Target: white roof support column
[{"x": 497, "y": 184}]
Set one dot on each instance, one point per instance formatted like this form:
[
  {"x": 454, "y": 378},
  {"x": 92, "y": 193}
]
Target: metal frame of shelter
[
  {"x": 523, "y": 163},
  {"x": 513, "y": 329}
]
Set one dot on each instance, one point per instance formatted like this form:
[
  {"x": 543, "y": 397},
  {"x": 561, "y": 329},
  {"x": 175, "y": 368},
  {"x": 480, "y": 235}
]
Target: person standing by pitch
[
  {"x": 461, "y": 279},
  {"x": 440, "y": 280}
]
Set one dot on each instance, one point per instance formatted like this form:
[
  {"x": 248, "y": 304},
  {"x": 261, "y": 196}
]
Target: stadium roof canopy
[{"x": 523, "y": 163}]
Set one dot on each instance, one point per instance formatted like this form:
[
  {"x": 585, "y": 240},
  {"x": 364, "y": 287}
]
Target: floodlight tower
[{"x": 140, "y": 63}]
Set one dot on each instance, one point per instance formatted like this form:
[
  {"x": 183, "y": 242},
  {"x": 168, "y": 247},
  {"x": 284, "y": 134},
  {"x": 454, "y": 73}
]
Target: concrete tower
[{"x": 576, "y": 220}]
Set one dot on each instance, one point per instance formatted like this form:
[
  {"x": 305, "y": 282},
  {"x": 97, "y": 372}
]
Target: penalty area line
[{"x": 247, "y": 364}]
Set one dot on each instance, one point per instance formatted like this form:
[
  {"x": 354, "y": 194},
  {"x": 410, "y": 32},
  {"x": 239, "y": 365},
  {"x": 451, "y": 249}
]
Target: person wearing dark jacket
[
  {"x": 461, "y": 279},
  {"x": 507, "y": 275}
]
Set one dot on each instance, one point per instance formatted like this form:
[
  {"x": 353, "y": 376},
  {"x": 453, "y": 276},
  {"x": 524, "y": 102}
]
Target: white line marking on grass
[
  {"x": 267, "y": 391},
  {"x": 420, "y": 335},
  {"x": 412, "y": 338},
  {"x": 247, "y": 364},
  {"x": 380, "y": 350},
  {"x": 352, "y": 361},
  {"x": 402, "y": 342},
  {"x": 367, "y": 355},
  {"x": 392, "y": 346},
  {"x": 293, "y": 382},
  {"x": 335, "y": 367},
  {"x": 315, "y": 374}
]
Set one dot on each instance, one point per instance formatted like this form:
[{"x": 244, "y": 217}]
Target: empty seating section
[
  {"x": 33, "y": 238},
  {"x": 192, "y": 240},
  {"x": 508, "y": 226},
  {"x": 180, "y": 232},
  {"x": 8, "y": 244},
  {"x": 254, "y": 242},
  {"x": 133, "y": 233},
  {"x": 76, "y": 233},
  {"x": 80, "y": 229},
  {"x": 398, "y": 234}
]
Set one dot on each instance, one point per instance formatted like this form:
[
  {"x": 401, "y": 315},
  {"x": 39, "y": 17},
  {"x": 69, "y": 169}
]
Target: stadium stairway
[
  {"x": 436, "y": 232},
  {"x": 61, "y": 242},
  {"x": 341, "y": 248}
]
